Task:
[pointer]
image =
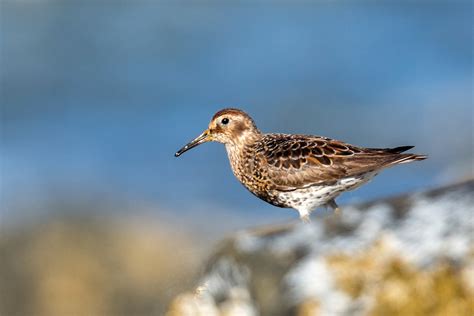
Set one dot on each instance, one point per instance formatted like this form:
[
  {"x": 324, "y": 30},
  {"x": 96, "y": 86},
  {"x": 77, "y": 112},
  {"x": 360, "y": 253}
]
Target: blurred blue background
[{"x": 97, "y": 96}]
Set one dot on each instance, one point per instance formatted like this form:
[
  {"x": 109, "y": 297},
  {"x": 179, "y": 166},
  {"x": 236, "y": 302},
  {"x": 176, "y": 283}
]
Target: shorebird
[{"x": 295, "y": 171}]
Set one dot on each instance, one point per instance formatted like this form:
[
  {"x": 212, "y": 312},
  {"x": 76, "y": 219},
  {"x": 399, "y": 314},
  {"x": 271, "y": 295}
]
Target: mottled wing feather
[{"x": 297, "y": 161}]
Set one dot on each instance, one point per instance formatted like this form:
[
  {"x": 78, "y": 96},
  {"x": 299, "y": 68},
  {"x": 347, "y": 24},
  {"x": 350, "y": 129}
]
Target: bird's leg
[
  {"x": 334, "y": 206},
  {"x": 304, "y": 216},
  {"x": 305, "y": 219}
]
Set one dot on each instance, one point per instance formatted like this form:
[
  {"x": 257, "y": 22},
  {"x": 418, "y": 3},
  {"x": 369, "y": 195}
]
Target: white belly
[{"x": 308, "y": 199}]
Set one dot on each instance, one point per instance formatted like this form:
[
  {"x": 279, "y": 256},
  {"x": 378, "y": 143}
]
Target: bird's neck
[
  {"x": 239, "y": 143},
  {"x": 239, "y": 153}
]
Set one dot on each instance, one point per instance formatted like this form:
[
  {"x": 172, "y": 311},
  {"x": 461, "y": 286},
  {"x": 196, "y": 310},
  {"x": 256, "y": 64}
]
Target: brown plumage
[{"x": 298, "y": 171}]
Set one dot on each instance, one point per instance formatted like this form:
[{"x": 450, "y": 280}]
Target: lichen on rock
[{"x": 408, "y": 255}]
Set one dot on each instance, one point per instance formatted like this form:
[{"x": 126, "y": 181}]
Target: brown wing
[{"x": 297, "y": 161}]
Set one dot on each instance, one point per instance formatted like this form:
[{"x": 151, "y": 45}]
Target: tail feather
[
  {"x": 396, "y": 150},
  {"x": 399, "y": 158},
  {"x": 400, "y": 149},
  {"x": 404, "y": 158}
]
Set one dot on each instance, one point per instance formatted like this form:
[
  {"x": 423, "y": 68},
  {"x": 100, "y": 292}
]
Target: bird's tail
[
  {"x": 398, "y": 150},
  {"x": 404, "y": 158},
  {"x": 409, "y": 158}
]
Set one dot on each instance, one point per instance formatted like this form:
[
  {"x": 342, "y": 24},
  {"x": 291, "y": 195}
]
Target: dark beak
[{"x": 204, "y": 137}]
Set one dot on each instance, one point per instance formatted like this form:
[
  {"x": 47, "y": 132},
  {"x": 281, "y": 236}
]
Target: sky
[{"x": 97, "y": 96}]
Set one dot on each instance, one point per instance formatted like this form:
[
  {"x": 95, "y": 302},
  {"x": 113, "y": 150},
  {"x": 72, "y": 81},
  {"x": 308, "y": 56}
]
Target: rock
[{"x": 408, "y": 255}]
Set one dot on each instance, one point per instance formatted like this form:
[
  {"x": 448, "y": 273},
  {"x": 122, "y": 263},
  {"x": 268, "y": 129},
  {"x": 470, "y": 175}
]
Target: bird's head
[{"x": 228, "y": 126}]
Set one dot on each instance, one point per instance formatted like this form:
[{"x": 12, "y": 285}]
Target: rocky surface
[{"x": 409, "y": 255}]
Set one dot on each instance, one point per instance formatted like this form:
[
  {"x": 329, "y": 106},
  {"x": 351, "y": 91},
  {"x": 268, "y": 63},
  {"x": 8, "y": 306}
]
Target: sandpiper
[{"x": 295, "y": 171}]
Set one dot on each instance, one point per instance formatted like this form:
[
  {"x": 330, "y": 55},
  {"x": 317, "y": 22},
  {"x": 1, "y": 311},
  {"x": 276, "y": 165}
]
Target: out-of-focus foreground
[
  {"x": 411, "y": 255},
  {"x": 91, "y": 266}
]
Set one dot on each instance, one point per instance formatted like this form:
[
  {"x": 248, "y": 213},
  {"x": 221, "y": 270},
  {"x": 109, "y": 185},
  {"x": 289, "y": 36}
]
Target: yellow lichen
[
  {"x": 309, "y": 307},
  {"x": 398, "y": 287}
]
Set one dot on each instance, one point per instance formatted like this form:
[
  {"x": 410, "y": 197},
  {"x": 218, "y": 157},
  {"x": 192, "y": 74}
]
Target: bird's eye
[{"x": 225, "y": 121}]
